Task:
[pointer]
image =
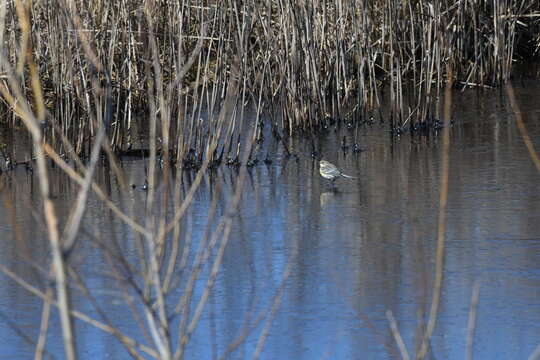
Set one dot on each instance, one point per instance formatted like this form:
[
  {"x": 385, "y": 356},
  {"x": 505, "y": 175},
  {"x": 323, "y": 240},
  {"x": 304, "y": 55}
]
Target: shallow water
[{"x": 354, "y": 252}]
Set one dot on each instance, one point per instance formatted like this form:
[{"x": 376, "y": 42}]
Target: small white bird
[{"x": 330, "y": 171}]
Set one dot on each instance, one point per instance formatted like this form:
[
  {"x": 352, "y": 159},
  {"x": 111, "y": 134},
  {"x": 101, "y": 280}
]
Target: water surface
[{"x": 354, "y": 251}]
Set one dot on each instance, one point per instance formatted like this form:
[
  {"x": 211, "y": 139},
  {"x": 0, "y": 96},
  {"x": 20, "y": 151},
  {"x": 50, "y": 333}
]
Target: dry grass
[{"x": 304, "y": 64}]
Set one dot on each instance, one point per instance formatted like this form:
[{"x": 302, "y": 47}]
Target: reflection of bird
[
  {"x": 330, "y": 171},
  {"x": 326, "y": 197}
]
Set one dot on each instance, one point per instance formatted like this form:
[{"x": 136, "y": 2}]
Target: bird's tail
[{"x": 347, "y": 176}]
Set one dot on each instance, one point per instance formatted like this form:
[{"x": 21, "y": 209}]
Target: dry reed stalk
[
  {"x": 76, "y": 314},
  {"x": 32, "y": 122},
  {"x": 397, "y": 336},
  {"x": 536, "y": 354},
  {"x": 44, "y": 326}
]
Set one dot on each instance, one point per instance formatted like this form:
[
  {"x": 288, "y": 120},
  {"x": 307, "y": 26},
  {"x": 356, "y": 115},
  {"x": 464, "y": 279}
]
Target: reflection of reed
[
  {"x": 521, "y": 127},
  {"x": 443, "y": 198}
]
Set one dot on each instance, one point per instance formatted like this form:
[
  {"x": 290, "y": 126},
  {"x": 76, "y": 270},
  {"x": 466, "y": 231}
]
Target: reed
[{"x": 310, "y": 64}]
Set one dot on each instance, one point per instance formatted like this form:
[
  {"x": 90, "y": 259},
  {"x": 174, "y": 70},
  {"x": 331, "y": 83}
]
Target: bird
[{"x": 330, "y": 171}]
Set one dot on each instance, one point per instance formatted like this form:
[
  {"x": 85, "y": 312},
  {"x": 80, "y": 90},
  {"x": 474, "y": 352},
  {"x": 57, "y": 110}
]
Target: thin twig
[{"x": 397, "y": 336}]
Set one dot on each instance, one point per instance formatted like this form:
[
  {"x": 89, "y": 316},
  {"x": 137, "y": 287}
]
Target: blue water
[{"x": 353, "y": 252}]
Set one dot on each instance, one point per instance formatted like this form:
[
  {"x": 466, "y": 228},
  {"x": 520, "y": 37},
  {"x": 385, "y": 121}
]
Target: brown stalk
[
  {"x": 32, "y": 124},
  {"x": 397, "y": 336}
]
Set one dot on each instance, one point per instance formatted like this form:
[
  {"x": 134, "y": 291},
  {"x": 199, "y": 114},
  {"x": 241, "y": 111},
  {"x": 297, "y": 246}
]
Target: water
[{"x": 353, "y": 252}]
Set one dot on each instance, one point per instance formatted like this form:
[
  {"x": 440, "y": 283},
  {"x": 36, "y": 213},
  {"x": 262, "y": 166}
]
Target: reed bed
[{"x": 302, "y": 65}]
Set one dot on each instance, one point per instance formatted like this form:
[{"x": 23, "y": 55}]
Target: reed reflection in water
[{"x": 356, "y": 251}]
